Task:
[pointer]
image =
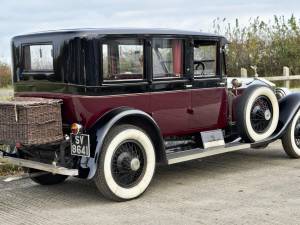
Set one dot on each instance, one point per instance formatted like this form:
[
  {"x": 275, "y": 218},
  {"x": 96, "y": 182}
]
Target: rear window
[{"x": 38, "y": 57}]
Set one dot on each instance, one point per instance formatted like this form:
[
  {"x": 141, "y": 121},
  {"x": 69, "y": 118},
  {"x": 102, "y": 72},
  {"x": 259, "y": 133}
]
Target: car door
[
  {"x": 169, "y": 104},
  {"x": 170, "y": 97},
  {"x": 208, "y": 97}
]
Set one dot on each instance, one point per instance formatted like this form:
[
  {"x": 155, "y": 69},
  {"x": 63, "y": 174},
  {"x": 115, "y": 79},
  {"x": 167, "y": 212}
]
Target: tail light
[{"x": 76, "y": 128}]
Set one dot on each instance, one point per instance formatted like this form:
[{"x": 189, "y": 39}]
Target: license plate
[{"x": 80, "y": 145}]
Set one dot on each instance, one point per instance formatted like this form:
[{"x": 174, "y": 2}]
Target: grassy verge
[{"x": 7, "y": 169}]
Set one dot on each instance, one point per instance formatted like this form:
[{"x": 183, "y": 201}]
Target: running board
[
  {"x": 197, "y": 153},
  {"x": 39, "y": 166}
]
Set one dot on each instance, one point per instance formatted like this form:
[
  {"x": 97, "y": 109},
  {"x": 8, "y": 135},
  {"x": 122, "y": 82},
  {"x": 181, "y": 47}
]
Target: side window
[
  {"x": 205, "y": 59},
  {"x": 123, "y": 59},
  {"x": 167, "y": 58},
  {"x": 38, "y": 57}
]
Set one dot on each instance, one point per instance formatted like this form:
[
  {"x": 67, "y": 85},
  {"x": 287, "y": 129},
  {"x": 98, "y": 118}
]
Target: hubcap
[
  {"x": 128, "y": 164},
  {"x": 268, "y": 114},
  {"x": 261, "y": 114},
  {"x": 135, "y": 164}
]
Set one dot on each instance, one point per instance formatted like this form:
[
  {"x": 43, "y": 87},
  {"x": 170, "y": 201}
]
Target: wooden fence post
[
  {"x": 243, "y": 72},
  {"x": 286, "y": 74}
]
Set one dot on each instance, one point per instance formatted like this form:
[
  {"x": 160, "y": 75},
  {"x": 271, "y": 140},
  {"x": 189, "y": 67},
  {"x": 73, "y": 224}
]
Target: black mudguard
[
  {"x": 288, "y": 107},
  {"x": 102, "y": 126}
]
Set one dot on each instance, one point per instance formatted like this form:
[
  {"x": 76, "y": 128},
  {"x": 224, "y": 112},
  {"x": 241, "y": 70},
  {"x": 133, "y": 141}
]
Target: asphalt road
[{"x": 246, "y": 187}]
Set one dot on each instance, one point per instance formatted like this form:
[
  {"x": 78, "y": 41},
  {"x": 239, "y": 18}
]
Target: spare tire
[{"x": 257, "y": 113}]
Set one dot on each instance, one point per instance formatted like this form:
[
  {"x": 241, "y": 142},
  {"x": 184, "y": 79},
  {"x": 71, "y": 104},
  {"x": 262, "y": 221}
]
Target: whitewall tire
[
  {"x": 257, "y": 113},
  {"x": 126, "y": 164},
  {"x": 291, "y": 139}
]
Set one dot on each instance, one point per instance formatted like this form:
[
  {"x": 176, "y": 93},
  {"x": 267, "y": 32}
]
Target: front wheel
[
  {"x": 257, "y": 113},
  {"x": 291, "y": 139},
  {"x": 126, "y": 164}
]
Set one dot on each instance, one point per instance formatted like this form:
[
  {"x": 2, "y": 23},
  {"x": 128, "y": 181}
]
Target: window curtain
[{"x": 177, "y": 57}]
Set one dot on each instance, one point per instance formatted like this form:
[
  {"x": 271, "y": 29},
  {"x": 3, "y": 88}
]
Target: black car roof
[{"x": 120, "y": 31}]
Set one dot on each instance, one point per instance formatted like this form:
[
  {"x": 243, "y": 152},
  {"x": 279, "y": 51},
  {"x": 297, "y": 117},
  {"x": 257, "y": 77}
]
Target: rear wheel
[
  {"x": 257, "y": 113},
  {"x": 291, "y": 139},
  {"x": 126, "y": 165},
  {"x": 46, "y": 178}
]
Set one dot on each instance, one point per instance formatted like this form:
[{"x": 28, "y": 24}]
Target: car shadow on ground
[{"x": 77, "y": 193}]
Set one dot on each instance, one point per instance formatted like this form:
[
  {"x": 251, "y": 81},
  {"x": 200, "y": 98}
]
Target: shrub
[
  {"x": 5, "y": 75},
  {"x": 268, "y": 45}
]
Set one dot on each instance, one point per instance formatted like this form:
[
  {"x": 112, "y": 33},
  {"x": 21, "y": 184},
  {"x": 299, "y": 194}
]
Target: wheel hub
[
  {"x": 267, "y": 114},
  {"x": 135, "y": 164}
]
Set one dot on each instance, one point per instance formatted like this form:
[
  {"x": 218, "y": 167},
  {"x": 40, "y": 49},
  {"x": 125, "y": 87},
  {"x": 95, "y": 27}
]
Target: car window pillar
[{"x": 148, "y": 70}]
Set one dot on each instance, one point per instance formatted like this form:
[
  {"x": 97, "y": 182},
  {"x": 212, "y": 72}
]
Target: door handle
[
  {"x": 190, "y": 110},
  {"x": 188, "y": 86}
]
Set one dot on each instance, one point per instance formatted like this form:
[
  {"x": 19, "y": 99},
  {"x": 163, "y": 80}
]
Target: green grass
[{"x": 8, "y": 169}]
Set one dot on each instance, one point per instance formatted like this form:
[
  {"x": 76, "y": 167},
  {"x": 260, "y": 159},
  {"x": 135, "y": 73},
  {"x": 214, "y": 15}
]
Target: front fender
[
  {"x": 288, "y": 107},
  {"x": 105, "y": 123}
]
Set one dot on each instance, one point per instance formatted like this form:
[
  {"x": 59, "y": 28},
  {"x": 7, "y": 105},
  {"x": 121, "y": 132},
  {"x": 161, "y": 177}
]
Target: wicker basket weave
[{"x": 30, "y": 121}]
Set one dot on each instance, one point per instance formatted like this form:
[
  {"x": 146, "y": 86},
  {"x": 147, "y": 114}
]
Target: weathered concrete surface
[{"x": 246, "y": 187}]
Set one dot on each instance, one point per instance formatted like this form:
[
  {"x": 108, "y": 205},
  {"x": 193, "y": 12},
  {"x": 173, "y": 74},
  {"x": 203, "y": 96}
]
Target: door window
[
  {"x": 167, "y": 58},
  {"x": 205, "y": 59}
]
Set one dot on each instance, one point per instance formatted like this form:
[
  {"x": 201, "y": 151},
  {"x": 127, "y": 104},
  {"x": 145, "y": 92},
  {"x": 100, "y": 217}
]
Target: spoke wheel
[
  {"x": 261, "y": 114},
  {"x": 257, "y": 113},
  {"x": 128, "y": 164}
]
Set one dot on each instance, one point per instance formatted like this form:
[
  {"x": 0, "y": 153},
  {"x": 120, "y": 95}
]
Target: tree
[{"x": 268, "y": 45}]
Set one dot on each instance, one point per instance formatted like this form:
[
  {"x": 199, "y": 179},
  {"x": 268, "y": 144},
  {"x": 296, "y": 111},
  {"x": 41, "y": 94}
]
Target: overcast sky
[{"x": 22, "y": 16}]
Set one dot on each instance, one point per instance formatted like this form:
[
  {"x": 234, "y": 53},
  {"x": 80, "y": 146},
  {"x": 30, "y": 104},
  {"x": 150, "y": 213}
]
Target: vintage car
[{"x": 136, "y": 98}]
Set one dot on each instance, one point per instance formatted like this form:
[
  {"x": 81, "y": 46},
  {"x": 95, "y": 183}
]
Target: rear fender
[
  {"x": 103, "y": 125},
  {"x": 288, "y": 107}
]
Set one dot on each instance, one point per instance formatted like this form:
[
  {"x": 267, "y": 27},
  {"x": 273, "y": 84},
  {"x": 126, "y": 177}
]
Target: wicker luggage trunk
[{"x": 30, "y": 121}]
